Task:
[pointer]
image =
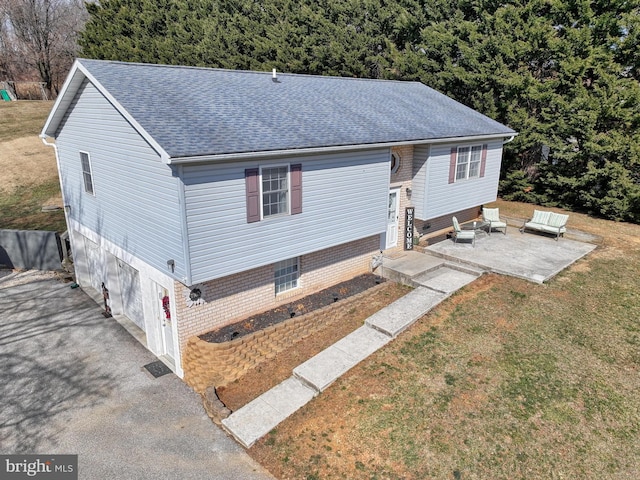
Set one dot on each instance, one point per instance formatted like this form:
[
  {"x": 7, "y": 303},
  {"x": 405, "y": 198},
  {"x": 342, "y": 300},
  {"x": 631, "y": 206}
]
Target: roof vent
[{"x": 274, "y": 76}]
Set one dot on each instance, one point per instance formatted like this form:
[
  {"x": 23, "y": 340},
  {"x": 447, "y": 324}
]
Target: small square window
[
  {"x": 286, "y": 274},
  {"x": 86, "y": 172}
]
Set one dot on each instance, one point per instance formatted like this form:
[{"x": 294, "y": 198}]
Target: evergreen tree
[{"x": 563, "y": 73}]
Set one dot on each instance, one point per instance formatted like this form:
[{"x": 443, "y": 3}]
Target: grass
[
  {"x": 20, "y": 119},
  {"x": 21, "y": 209},
  {"x": 30, "y": 178},
  {"x": 505, "y": 380}
]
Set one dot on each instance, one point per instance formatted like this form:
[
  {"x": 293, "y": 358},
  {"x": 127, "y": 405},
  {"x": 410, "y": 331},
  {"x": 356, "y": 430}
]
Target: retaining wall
[
  {"x": 30, "y": 249},
  {"x": 216, "y": 364}
]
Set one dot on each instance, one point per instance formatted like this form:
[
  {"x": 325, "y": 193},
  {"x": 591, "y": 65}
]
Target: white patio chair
[
  {"x": 492, "y": 215},
  {"x": 459, "y": 234}
]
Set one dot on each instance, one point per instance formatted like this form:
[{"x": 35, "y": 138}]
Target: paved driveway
[{"x": 72, "y": 382}]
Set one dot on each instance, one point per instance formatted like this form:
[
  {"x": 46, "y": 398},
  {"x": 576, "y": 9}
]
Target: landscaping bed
[
  {"x": 299, "y": 307},
  {"x": 271, "y": 372}
]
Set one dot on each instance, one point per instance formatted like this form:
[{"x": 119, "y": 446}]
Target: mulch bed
[{"x": 299, "y": 307}]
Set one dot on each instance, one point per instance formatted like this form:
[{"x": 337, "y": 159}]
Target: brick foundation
[
  {"x": 235, "y": 297},
  {"x": 435, "y": 228}
]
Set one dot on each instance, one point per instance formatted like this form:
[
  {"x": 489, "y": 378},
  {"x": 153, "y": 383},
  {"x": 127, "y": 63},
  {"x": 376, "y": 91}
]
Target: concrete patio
[{"x": 531, "y": 256}]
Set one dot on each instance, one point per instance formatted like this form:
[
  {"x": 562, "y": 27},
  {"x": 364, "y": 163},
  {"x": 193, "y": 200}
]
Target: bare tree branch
[{"x": 41, "y": 35}]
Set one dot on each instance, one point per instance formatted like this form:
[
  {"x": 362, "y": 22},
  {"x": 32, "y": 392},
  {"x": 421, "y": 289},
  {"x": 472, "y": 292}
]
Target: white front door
[
  {"x": 393, "y": 212},
  {"x": 166, "y": 321}
]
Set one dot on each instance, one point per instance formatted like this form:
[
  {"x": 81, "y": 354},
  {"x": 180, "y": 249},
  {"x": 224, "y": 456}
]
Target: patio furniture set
[{"x": 546, "y": 222}]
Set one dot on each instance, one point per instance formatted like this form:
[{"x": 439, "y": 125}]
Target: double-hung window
[
  {"x": 286, "y": 275},
  {"x": 468, "y": 162},
  {"x": 275, "y": 191},
  {"x": 87, "y": 175}
]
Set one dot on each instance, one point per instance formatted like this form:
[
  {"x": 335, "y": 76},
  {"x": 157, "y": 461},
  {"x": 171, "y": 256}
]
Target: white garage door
[
  {"x": 94, "y": 264},
  {"x": 131, "y": 293}
]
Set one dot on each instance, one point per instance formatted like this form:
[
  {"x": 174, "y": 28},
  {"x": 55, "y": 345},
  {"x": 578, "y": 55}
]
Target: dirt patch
[
  {"x": 304, "y": 305},
  {"x": 271, "y": 372}
]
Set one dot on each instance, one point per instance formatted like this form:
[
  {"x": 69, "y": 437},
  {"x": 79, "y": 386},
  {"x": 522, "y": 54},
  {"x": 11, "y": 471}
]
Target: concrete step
[
  {"x": 407, "y": 265},
  {"x": 445, "y": 280},
  {"x": 251, "y": 422},
  {"x": 325, "y": 368},
  {"x": 398, "y": 316},
  {"x": 257, "y": 418}
]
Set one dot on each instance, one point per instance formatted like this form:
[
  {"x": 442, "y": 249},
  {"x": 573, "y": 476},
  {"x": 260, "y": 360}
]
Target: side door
[{"x": 393, "y": 212}]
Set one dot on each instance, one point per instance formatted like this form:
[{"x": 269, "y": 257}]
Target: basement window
[{"x": 286, "y": 275}]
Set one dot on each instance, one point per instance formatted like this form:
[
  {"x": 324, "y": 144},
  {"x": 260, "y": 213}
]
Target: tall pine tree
[{"x": 564, "y": 73}]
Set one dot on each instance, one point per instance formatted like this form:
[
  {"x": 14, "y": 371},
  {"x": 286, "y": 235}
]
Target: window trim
[
  {"x": 260, "y": 184},
  {"x": 468, "y": 151},
  {"x": 454, "y": 164},
  {"x": 295, "y": 281},
  {"x": 394, "y": 168},
  {"x": 91, "y": 192},
  {"x": 253, "y": 191}
]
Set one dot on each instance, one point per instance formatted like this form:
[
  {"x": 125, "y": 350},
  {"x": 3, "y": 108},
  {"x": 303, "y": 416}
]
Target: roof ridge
[{"x": 258, "y": 72}]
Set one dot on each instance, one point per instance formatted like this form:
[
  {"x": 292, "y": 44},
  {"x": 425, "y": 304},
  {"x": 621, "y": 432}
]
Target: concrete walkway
[
  {"x": 259, "y": 417},
  {"x": 445, "y": 268}
]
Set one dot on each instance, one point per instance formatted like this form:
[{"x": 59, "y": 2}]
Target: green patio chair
[
  {"x": 459, "y": 234},
  {"x": 492, "y": 215}
]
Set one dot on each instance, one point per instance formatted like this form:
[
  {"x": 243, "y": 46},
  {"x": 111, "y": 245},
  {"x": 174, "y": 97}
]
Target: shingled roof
[{"x": 193, "y": 112}]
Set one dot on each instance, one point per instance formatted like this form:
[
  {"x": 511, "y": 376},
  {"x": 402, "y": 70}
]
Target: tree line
[
  {"x": 39, "y": 40},
  {"x": 564, "y": 73}
]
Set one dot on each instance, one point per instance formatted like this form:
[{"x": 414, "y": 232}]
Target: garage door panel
[
  {"x": 131, "y": 293},
  {"x": 94, "y": 264}
]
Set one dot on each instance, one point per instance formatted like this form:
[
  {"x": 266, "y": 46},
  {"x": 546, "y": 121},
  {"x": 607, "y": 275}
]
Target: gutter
[{"x": 338, "y": 148}]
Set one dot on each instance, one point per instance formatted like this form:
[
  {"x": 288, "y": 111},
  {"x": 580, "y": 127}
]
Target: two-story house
[{"x": 200, "y": 196}]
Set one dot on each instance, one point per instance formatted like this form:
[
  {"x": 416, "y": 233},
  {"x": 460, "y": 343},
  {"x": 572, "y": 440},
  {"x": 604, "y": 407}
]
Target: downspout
[
  {"x": 64, "y": 200},
  {"x": 186, "y": 251},
  {"x": 509, "y": 140},
  {"x": 66, "y": 207}
]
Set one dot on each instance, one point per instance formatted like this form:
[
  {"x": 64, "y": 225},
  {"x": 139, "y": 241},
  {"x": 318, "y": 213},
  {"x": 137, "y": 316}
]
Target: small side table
[{"x": 478, "y": 226}]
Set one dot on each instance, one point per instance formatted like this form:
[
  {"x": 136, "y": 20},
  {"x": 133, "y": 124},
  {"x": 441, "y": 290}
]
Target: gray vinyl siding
[
  {"x": 439, "y": 197},
  {"x": 136, "y": 197},
  {"x": 343, "y": 199}
]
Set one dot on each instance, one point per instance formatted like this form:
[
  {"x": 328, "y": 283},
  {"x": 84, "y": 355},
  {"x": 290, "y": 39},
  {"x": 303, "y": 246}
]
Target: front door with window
[
  {"x": 166, "y": 321},
  {"x": 393, "y": 212}
]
